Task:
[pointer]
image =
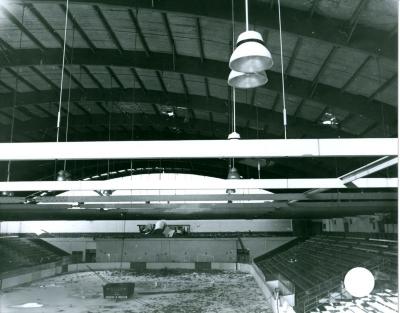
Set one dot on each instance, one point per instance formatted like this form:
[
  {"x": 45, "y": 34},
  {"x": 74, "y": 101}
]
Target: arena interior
[{"x": 198, "y": 156}]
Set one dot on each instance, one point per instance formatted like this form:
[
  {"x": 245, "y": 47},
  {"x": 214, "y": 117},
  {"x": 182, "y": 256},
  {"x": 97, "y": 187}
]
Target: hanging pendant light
[
  {"x": 247, "y": 80},
  {"x": 7, "y": 194},
  {"x": 250, "y": 55},
  {"x": 232, "y": 174},
  {"x": 63, "y": 176}
]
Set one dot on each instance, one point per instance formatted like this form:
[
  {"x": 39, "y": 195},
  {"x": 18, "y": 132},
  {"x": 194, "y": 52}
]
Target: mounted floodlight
[
  {"x": 250, "y": 55},
  {"x": 247, "y": 80}
]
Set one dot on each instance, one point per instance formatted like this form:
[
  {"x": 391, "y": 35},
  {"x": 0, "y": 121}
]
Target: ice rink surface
[{"x": 155, "y": 292}]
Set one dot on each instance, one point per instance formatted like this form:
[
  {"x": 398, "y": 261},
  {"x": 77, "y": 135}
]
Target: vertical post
[{"x": 247, "y": 14}]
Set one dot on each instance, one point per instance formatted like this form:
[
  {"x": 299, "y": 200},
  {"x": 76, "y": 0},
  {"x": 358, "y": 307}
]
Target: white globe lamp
[{"x": 359, "y": 282}]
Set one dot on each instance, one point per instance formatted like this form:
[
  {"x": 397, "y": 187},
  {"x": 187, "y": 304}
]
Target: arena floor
[{"x": 171, "y": 292}]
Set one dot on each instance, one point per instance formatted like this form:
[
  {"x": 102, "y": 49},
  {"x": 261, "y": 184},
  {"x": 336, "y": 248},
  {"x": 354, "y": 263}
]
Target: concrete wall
[
  {"x": 32, "y": 274},
  {"x": 167, "y": 250},
  {"x": 183, "y": 249},
  {"x": 132, "y": 226},
  {"x": 261, "y": 245},
  {"x": 73, "y": 244},
  {"x": 357, "y": 224}
]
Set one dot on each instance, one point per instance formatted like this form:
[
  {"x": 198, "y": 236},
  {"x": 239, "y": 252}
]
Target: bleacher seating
[
  {"x": 18, "y": 252},
  {"x": 316, "y": 265}
]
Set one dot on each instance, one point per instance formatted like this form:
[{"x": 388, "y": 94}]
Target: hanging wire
[
  {"x": 62, "y": 70},
  {"x": 122, "y": 244},
  {"x": 14, "y": 101},
  {"x": 233, "y": 89},
  {"x": 69, "y": 92},
  {"x": 282, "y": 74},
  {"x": 247, "y": 14}
]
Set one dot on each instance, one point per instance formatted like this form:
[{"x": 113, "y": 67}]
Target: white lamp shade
[
  {"x": 359, "y": 282},
  {"x": 250, "y": 54},
  {"x": 247, "y": 80}
]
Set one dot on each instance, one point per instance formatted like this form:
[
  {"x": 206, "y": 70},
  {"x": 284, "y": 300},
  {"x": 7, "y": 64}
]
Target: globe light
[{"x": 359, "y": 282}]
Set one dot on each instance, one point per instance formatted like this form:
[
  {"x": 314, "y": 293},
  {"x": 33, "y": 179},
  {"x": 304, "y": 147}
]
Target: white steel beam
[
  {"x": 260, "y": 148},
  {"x": 329, "y": 183}
]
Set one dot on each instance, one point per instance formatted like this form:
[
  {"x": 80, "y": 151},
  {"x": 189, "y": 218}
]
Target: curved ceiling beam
[
  {"x": 296, "y": 126},
  {"x": 330, "y": 96},
  {"x": 328, "y": 29}
]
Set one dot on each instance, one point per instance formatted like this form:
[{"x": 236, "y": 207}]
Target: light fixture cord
[
  {"x": 282, "y": 74},
  {"x": 14, "y": 102},
  {"x": 62, "y": 70},
  {"x": 234, "y": 109},
  {"x": 69, "y": 93},
  {"x": 247, "y": 14}
]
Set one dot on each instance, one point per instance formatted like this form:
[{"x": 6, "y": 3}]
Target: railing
[{"x": 309, "y": 299}]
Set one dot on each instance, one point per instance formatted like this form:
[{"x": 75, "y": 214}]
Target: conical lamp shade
[
  {"x": 247, "y": 80},
  {"x": 233, "y": 173},
  {"x": 250, "y": 55}
]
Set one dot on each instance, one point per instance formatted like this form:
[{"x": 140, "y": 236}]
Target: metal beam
[
  {"x": 354, "y": 76},
  {"x": 8, "y": 87},
  {"x": 44, "y": 77},
  {"x": 368, "y": 129},
  {"x": 82, "y": 108},
  {"x": 140, "y": 33},
  {"x": 211, "y": 68},
  {"x": 319, "y": 27},
  {"x": 352, "y": 177},
  {"x": 207, "y": 87},
  {"x": 369, "y": 169},
  {"x": 200, "y": 39},
  {"x": 313, "y": 7},
  {"x": 321, "y": 71},
  {"x": 139, "y": 80},
  {"x": 115, "y": 77},
  {"x": 73, "y": 78},
  {"x": 223, "y": 184},
  {"x": 251, "y": 148},
  {"x": 161, "y": 82},
  {"x": 92, "y": 77},
  {"x": 382, "y": 87},
  {"x": 195, "y": 102},
  {"x": 108, "y": 27},
  {"x": 207, "y": 211},
  {"x": 80, "y": 30},
  {"x": 169, "y": 33},
  {"x": 22, "y": 79},
  {"x": 47, "y": 25},
  {"x": 355, "y": 18},
  {"x": 184, "y": 85},
  {"x": 292, "y": 59},
  {"x": 21, "y": 27},
  {"x": 337, "y": 196},
  {"x": 299, "y": 107},
  {"x": 276, "y": 101},
  {"x": 102, "y": 107}
]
